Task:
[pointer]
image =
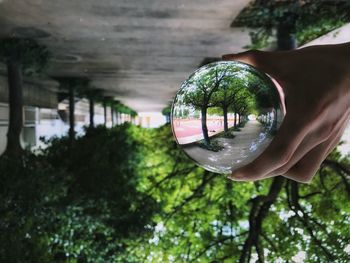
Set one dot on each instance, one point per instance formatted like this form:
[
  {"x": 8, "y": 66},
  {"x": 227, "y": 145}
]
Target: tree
[
  {"x": 22, "y": 56},
  {"x": 211, "y": 219},
  {"x": 244, "y": 104},
  {"x": 104, "y": 103},
  {"x": 227, "y": 94},
  {"x": 93, "y": 95},
  {"x": 74, "y": 86},
  {"x": 198, "y": 91},
  {"x": 75, "y": 203},
  {"x": 119, "y": 108},
  {"x": 266, "y": 96},
  {"x": 167, "y": 112},
  {"x": 138, "y": 198},
  {"x": 295, "y": 21}
]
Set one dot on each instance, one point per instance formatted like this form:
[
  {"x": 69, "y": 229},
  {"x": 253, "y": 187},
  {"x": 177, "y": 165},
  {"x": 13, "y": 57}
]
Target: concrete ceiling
[{"x": 138, "y": 51}]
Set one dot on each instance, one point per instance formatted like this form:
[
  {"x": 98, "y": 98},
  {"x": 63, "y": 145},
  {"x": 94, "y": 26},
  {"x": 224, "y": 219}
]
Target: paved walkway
[
  {"x": 245, "y": 147},
  {"x": 188, "y": 131}
]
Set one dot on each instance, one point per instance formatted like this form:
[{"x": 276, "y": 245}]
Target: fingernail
[{"x": 236, "y": 176}]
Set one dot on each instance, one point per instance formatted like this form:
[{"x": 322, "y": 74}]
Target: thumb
[{"x": 264, "y": 61}]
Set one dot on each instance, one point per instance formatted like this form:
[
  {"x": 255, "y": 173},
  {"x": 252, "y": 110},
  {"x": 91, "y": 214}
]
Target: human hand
[{"x": 315, "y": 82}]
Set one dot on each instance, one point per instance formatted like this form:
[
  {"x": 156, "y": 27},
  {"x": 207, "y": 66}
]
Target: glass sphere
[{"x": 225, "y": 114}]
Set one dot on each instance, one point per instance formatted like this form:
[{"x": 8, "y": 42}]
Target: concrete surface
[
  {"x": 244, "y": 148},
  {"x": 138, "y": 51}
]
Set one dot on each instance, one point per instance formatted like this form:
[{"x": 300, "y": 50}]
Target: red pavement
[{"x": 192, "y": 127}]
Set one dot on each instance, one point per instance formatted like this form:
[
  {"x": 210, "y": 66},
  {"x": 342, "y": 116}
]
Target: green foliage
[
  {"x": 197, "y": 92},
  {"x": 27, "y": 186},
  {"x": 205, "y": 217},
  {"x": 83, "y": 89},
  {"x": 121, "y": 108},
  {"x": 34, "y": 57},
  {"x": 130, "y": 195},
  {"x": 229, "y": 135},
  {"x": 166, "y": 111},
  {"x": 76, "y": 203},
  {"x": 214, "y": 145},
  {"x": 231, "y": 91},
  {"x": 90, "y": 93},
  {"x": 313, "y": 18},
  {"x": 78, "y": 83},
  {"x": 239, "y": 88}
]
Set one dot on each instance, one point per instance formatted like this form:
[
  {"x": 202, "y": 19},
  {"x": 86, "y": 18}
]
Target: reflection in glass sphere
[{"x": 225, "y": 114}]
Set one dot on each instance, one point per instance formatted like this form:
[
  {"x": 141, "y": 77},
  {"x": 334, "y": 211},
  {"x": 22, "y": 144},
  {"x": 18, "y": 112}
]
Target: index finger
[{"x": 278, "y": 153}]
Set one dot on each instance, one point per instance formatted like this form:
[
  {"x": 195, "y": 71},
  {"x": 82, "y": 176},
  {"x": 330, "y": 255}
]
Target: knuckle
[
  {"x": 321, "y": 109},
  {"x": 325, "y": 132},
  {"x": 282, "y": 155},
  {"x": 285, "y": 157},
  {"x": 299, "y": 175},
  {"x": 253, "y": 54},
  {"x": 282, "y": 170},
  {"x": 302, "y": 172}
]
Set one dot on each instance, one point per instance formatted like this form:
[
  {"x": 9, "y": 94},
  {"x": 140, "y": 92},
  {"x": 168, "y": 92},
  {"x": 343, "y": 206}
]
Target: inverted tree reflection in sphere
[{"x": 225, "y": 114}]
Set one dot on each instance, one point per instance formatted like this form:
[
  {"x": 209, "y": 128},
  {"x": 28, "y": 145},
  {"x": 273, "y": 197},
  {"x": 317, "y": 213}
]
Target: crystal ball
[{"x": 225, "y": 115}]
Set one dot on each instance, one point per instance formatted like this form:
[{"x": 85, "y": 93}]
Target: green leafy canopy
[
  {"x": 313, "y": 18},
  {"x": 33, "y": 56}
]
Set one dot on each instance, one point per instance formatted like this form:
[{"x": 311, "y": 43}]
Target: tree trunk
[
  {"x": 224, "y": 109},
  {"x": 92, "y": 112},
  {"x": 167, "y": 118},
  {"x": 71, "y": 114},
  {"x": 204, "y": 125},
  {"x": 105, "y": 113},
  {"x": 112, "y": 116},
  {"x": 258, "y": 212},
  {"x": 286, "y": 32},
  {"x": 239, "y": 120},
  {"x": 235, "y": 121},
  {"x": 14, "y": 71}
]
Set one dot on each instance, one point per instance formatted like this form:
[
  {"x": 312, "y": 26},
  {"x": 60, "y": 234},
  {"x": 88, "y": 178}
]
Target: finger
[
  {"x": 278, "y": 153},
  {"x": 306, "y": 168},
  {"x": 281, "y": 151},
  {"x": 272, "y": 63},
  {"x": 249, "y": 57},
  {"x": 322, "y": 134}
]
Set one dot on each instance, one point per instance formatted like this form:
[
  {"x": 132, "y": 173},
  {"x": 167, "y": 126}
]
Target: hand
[{"x": 315, "y": 82}]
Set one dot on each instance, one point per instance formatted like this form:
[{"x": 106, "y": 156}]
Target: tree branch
[
  {"x": 260, "y": 208},
  {"x": 341, "y": 170},
  {"x": 207, "y": 177},
  {"x": 305, "y": 219},
  {"x": 221, "y": 240},
  {"x": 270, "y": 242},
  {"x": 338, "y": 166},
  {"x": 172, "y": 174}
]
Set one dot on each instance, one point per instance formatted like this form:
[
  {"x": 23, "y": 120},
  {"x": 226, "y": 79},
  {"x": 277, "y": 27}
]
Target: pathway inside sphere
[
  {"x": 245, "y": 147},
  {"x": 190, "y": 130}
]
